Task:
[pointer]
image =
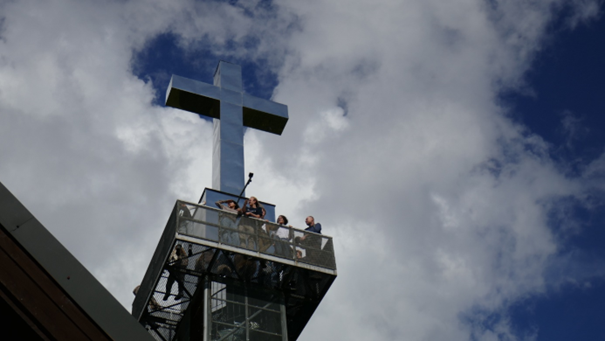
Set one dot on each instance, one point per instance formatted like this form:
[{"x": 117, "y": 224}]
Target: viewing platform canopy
[{"x": 230, "y": 258}]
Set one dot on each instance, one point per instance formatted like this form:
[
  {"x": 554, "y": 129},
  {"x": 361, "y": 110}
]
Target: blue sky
[
  {"x": 568, "y": 80},
  {"x": 454, "y": 150}
]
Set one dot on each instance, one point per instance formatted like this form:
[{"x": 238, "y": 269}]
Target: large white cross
[{"x": 232, "y": 110}]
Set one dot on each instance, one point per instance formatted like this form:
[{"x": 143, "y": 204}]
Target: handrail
[{"x": 253, "y": 234}]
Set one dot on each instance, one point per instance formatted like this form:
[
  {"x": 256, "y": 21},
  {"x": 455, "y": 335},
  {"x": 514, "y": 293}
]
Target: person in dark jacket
[{"x": 311, "y": 241}]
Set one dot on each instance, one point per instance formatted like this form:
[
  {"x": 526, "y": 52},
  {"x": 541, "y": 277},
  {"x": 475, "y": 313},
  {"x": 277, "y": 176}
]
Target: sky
[{"x": 455, "y": 150}]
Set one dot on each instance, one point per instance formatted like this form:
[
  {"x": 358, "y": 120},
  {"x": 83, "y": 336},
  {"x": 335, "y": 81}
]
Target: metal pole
[{"x": 250, "y": 175}]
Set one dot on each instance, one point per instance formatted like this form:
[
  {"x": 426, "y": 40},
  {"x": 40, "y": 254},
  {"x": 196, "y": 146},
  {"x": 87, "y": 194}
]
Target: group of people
[
  {"x": 272, "y": 238},
  {"x": 256, "y": 234}
]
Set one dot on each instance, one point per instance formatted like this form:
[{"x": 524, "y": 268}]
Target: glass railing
[{"x": 267, "y": 238}]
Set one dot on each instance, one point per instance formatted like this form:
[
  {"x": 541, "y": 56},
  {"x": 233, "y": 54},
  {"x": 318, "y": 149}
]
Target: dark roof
[{"x": 45, "y": 291}]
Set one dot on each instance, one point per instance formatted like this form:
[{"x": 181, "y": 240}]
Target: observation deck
[{"x": 232, "y": 277}]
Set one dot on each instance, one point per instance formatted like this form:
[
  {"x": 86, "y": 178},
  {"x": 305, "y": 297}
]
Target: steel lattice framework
[{"x": 232, "y": 283}]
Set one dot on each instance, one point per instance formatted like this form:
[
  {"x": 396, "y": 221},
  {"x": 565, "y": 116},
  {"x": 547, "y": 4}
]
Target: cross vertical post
[{"x": 228, "y": 146}]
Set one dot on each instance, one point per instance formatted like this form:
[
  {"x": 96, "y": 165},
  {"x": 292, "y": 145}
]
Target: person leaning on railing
[
  {"x": 310, "y": 240},
  {"x": 271, "y": 236},
  {"x": 283, "y": 236},
  {"x": 228, "y": 222},
  {"x": 251, "y": 209},
  {"x": 231, "y": 206}
]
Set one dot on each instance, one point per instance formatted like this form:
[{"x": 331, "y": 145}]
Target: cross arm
[
  {"x": 264, "y": 115},
  {"x": 197, "y": 97}
]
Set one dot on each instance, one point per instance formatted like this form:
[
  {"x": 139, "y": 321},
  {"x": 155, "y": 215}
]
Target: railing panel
[{"x": 225, "y": 227}]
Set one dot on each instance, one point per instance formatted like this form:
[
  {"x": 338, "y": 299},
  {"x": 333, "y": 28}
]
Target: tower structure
[{"x": 217, "y": 275}]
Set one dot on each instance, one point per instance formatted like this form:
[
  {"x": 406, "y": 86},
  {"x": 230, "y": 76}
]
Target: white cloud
[
  {"x": 583, "y": 11},
  {"x": 437, "y": 202}
]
